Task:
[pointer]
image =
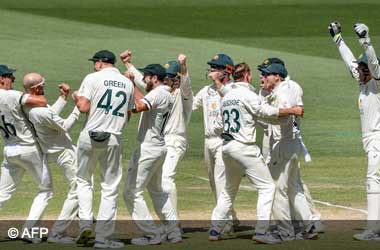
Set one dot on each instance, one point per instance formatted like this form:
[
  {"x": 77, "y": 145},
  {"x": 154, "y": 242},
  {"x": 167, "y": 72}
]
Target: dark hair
[{"x": 239, "y": 71}]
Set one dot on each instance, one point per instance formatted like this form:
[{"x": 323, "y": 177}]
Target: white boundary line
[{"x": 249, "y": 188}]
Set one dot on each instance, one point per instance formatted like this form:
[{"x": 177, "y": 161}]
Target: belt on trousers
[{"x": 227, "y": 137}]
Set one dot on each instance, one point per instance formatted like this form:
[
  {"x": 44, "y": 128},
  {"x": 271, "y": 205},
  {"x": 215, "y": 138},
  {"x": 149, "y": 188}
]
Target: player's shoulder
[
  {"x": 41, "y": 112},
  {"x": 10, "y": 96}
]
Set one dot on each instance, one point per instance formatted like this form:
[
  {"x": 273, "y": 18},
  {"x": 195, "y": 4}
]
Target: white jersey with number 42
[{"x": 111, "y": 96}]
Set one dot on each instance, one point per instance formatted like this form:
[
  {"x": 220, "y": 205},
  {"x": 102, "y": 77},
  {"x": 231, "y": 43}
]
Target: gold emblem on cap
[
  {"x": 266, "y": 62},
  {"x": 166, "y": 66},
  {"x": 216, "y": 57}
]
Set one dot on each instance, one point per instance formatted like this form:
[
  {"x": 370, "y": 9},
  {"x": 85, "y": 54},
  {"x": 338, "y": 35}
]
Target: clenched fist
[
  {"x": 126, "y": 56},
  {"x": 64, "y": 90}
]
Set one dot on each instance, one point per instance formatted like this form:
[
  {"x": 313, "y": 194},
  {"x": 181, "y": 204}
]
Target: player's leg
[
  {"x": 137, "y": 178},
  {"x": 175, "y": 151},
  {"x": 66, "y": 159},
  {"x": 87, "y": 159},
  {"x": 281, "y": 206},
  {"x": 39, "y": 170},
  {"x": 210, "y": 165},
  {"x": 11, "y": 175},
  {"x": 221, "y": 213},
  {"x": 258, "y": 174},
  {"x": 162, "y": 202},
  {"x": 111, "y": 173}
]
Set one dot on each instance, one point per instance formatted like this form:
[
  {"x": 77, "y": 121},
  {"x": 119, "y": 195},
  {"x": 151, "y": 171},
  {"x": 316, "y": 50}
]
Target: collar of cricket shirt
[
  {"x": 246, "y": 85},
  {"x": 110, "y": 69},
  {"x": 166, "y": 87}
]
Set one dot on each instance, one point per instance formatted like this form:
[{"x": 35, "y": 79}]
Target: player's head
[
  {"x": 34, "y": 83},
  {"x": 222, "y": 64},
  {"x": 173, "y": 74},
  {"x": 268, "y": 61},
  {"x": 364, "y": 74},
  {"x": 154, "y": 75},
  {"x": 103, "y": 59},
  {"x": 242, "y": 73},
  {"x": 6, "y": 77},
  {"x": 272, "y": 75}
]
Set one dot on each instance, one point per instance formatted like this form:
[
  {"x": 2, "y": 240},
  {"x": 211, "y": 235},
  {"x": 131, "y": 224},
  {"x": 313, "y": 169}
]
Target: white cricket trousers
[
  {"x": 13, "y": 168},
  {"x": 316, "y": 216},
  {"x": 176, "y": 148},
  {"x": 145, "y": 171},
  {"x": 245, "y": 159},
  {"x": 373, "y": 188},
  {"x": 108, "y": 154},
  {"x": 66, "y": 159},
  {"x": 285, "y": 170}
]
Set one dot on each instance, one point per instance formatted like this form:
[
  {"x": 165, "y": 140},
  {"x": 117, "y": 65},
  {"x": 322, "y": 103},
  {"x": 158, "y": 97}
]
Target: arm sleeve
[
  {"x": 131, "y": 103},
  {"x": 373, "y": 62},
  {"x": 153, "y": 100},
  {"x": 86, "y": 87},
  {"x": 58, "y": 106},
  {"x": 71, "y": 119},
  {"x": 349, "y": 59},
  {"x": 218, "y": 124},
  {"x": 51, "y": 120},
  {"x": 138, "y": 78},
  {"x": 197, "y": 102},
  {"x": 261, "y": 109},
  {"x": 185, "y": 87},
  {"x": 23, "y": 97}
]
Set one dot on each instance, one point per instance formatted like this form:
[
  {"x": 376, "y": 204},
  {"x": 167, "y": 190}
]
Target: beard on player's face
[{"x": 149, "y": 82}]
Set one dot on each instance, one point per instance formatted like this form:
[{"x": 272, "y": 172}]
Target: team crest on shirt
[
  {"x": 360, "y": 104},
  {"x": 213, "y": 105}
]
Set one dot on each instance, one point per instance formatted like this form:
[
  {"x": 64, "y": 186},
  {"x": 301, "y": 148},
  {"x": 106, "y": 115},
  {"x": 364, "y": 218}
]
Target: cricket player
[
  {"x": 21, "y": 153},
  {"x": 240, "y": 108},
  {"x": 56, "y": 146},
  {"x": 285, "y": 149},
  {"x": 366, "y": 71},
  {"x": 175, "y": 133},
  {"x": 208, "y": 98},
  {"x": 106, "y": 96},
  {"x": 298, "y": 93},
  {"x": 145, "y": 166}
]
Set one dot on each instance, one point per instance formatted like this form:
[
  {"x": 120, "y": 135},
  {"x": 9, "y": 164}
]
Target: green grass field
[{"x": 56, "y": 38}]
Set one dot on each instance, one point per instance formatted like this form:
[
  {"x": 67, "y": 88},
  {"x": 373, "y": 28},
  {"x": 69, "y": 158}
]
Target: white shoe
[
  {"x": 33, "y": 240},
  {"x": 146, "y": 240},
  {"x": 267, "y": 238},
  {"x": 108, "y": 244},
  {"x": 59, "y": 239},
  {"x": 310, "y": 232},
  {"x": 366, "y": 235},
  {"x": 84, "y": 236}
]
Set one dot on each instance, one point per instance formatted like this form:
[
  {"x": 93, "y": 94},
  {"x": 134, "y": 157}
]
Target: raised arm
[
  {"x": 64, "y": 90},
  {"x": 373, "y": 64},
  {"x": 348, "y": 57},
  {"x": 138, "y": 77}
]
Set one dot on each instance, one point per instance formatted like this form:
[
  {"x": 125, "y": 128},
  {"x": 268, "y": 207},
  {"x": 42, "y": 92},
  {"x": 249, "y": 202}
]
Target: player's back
[
  {"x": 152, "y": 122},
  {"x": 239, "y": 107},
  {"x": 13, "y": 126},
  {"x": 111, "y": 96}
]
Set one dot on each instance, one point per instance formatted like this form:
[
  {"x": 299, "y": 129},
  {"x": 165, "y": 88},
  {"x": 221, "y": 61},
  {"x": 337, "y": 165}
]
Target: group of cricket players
[{"x": 35, "y": 135}]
